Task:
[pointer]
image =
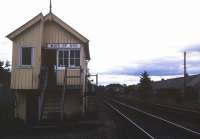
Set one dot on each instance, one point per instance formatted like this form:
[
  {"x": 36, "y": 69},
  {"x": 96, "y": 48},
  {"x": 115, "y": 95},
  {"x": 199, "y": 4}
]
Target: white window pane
[
  {"x": 66, "y": 54},
  {"x": 77, "y": 54},
  {"x": 77, "y": 62},
  {"x": 60, "y": 55},
  {"x": 66, "y": 62},
  {"x": 72, "y": 54},
  {"x": 72, "y": 62},
  {"x": 60, "y": 63}
]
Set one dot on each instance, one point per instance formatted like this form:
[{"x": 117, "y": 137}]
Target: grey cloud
[
  {"x": 193, "y": 48},
  {"x": 159, "y": 67}
]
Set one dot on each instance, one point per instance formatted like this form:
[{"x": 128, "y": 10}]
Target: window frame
[
  {"x": 69, "y": 65},
  {"x": 32, "y": 57}
]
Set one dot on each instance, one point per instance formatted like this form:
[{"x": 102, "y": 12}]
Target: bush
[{"x": 6, "y": 106}]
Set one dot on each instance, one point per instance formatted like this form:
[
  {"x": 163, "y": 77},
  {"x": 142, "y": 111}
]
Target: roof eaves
[
  {"x": 87, "y": 49},
  {"x": 28, "y": 24},
  {"x": 69, "y": 28}
]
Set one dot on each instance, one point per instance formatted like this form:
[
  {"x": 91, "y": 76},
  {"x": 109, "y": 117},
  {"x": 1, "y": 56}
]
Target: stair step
[
  {"x": 52, "y": 102},
  {"x": 52, "y": 109},
  {"x": 53, "y": 97},
  {"x": 52, "y": 105},
  {"x": 51, "y": 115}
]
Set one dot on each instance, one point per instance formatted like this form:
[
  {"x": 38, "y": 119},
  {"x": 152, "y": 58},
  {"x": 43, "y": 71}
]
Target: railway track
[
  {"x": 195, "y": 112},
  {"x": 150, "y": 125},
  {"x": 191, "y": 111},
  {"x": 120, "y": 127},
  {"x": 188, "y": 118}
]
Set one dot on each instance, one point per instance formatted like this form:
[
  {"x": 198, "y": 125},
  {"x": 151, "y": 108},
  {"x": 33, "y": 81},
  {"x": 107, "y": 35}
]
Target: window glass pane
[
  {"x": 77, "y": 54},
  {"x": 60, "y": 55},
  {"x": 72, "y": 62},
  {"x": 72, "y": 53},
  {"x": 60, "y": 64},
  {"x": 26, "y": 56},
  {"x": 66, "y": 62},
  {"x": 77, "y": 62},
  {"x": 66, "y": 54}
]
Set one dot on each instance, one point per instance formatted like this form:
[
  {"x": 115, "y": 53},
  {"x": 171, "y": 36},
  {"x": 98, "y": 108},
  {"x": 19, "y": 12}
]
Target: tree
[
  {"x": 7, "y": 66},
  {"x": 145, "y": 85},
  {"x": 5, "y": 73}
]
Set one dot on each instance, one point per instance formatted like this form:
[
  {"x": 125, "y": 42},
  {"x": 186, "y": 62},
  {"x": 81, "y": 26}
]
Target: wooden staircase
[
  {"x": 50, "y": 100},
  {"x": 52, "y": 106},
  {"x": 52, "y": 109}
]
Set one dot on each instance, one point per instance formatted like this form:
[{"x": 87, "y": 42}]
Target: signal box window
[
  {"x": 68, "y": 58},
  {"x": 26, "y": 56}
]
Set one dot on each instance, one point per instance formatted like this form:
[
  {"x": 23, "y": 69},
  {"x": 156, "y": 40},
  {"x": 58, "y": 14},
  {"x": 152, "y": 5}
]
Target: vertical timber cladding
[
  {"x": 23, "y": 77},
  {"x": 54, "y": 33}
]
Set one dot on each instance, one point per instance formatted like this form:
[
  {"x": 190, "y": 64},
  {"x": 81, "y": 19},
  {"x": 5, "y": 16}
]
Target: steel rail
[
  {"x": 178, "y": 108},
  {"x": 127, "y": 118},
  {"x": 156, "y": 117}
]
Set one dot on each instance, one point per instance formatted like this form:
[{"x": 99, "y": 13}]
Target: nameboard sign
[{"x": 63, "y": 46}]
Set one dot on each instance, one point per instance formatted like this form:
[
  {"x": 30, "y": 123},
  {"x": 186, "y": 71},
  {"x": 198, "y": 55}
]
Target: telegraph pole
[
  {"x": 185, "y": 74},
  {"x": 97, "y": 82}
]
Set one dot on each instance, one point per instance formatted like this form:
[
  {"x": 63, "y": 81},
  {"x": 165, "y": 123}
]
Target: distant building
[
  {"x": 177, "y": 85},
  {"x": 117, "y": 88}
]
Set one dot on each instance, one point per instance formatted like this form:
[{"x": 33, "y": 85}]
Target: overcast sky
[{"x": 126, "y": 36}]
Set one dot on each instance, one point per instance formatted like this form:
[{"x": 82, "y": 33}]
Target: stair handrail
[
  {"x": 43, "y": 86},
  {"x": 65, "y": 83},
  {"x": 63, "y": 94}
]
